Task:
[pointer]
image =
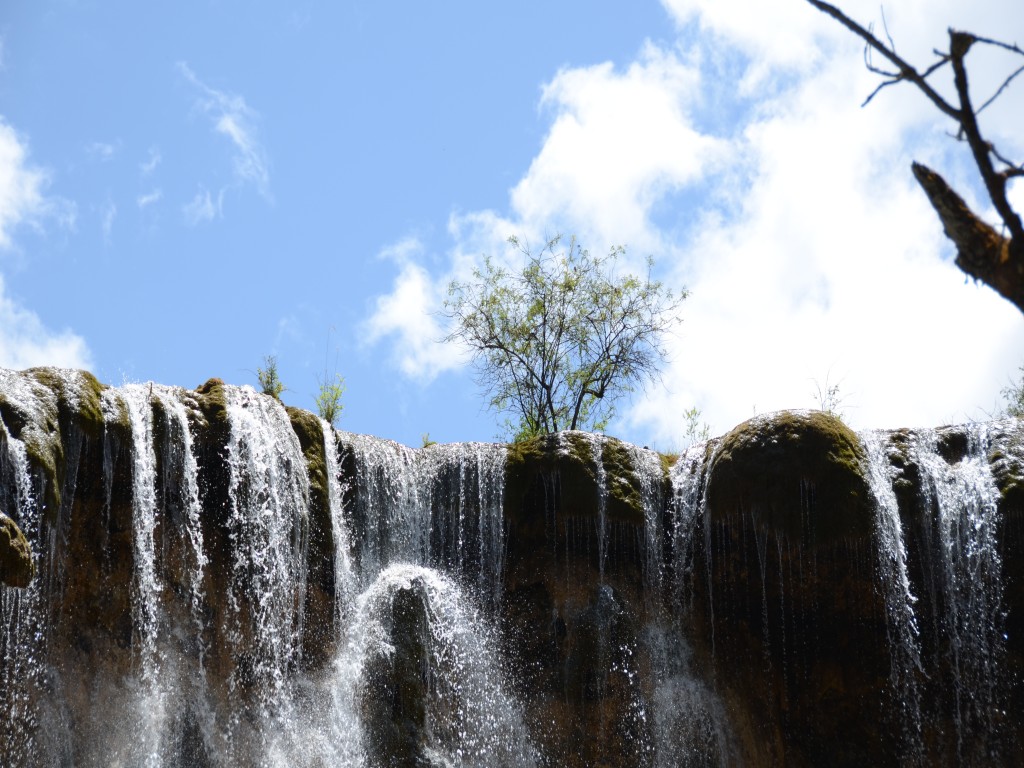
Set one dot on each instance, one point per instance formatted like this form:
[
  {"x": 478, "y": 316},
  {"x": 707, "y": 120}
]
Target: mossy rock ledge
[
  {"x": 17, "y": 568},
  {"x": 795, "y": 474}
]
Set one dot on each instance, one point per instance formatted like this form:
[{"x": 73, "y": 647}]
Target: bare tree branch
[
  {"x": 905, "y": 71},
  {"x": 982, "y": 252}
]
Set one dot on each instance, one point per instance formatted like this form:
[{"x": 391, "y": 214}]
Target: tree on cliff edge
[
  {"x": 995, "y": 258},
  {"x": 556, "y": 343}
]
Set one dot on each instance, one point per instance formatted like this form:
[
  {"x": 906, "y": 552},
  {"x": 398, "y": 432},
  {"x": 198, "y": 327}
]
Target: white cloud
[
  {"x": 619, "y": 141},
  {"x": 810, "y": 252},
  {"x": 102, "y": 150},
  {"x": 21, "y": 186},
  {"x": 833, "y": 265},
  {"x": 408, "y": 317},
  {"x": 146, "y": 200},
  {"x": 108, "y": 214},
  {"x": 203, "y": 207},
  {"x": 25, "y": 342},
  {"x": 149, "y": 164},
  {"x": 233, "y": 118}
]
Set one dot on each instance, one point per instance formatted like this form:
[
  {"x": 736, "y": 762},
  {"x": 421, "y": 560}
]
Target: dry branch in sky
[{"x": 996, "y": 258}]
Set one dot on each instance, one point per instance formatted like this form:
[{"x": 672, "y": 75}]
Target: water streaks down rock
[{"x": 221, "y": 580}]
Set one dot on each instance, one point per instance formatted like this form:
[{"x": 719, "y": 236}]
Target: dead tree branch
[{"x": 982, "y": 252}]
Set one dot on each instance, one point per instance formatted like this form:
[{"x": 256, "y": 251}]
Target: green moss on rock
[
  {"x": 625, "y": 499},
  {"x": 795, "y": 473},
  {"x": 570, "y": 457},
  {"x": 79, "y": 397},
  {"x": 17, "y": 567},
  {"x": 1007, "y": 460},
  {"x": 213, "y": 403},
  {"x": 310, "y": 432}
]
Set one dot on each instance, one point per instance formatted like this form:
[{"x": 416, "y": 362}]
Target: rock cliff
[{"x": 223, "y": 580}]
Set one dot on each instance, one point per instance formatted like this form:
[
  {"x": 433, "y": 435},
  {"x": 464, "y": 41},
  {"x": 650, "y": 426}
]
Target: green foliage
[
  {"x": 696, "y": 431},
  {"x": 330, "y": 390},
  {"x": 270, "y": 382},
  {"x": 427, "y": 442},
  {"x": 557, "y": 343},
  {"x": 1013, "y": 394},
  {"x": 829, "y": 399},
  {"x": 328, "y": 400}
]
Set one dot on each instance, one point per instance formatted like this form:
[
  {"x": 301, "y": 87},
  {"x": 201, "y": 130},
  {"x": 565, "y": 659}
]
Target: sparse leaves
[
  {"x": 328, "y": 399},
  {"x": 270, "y": 382},
  {"x": 556, "y": 343},
  {"x": 330, "y": 390},
  {"x": 828, "y": 398},
  {"x": 1013, "y": 394},
  {"x": 696, "y": 431}
]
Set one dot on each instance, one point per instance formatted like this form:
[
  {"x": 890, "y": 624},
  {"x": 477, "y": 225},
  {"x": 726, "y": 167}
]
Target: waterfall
[
  {"x": 420, "y": 665},
  {"x": 691, "y": 726},
  {"x": 19, "y": 644},
  {"x": 268, "y": 498},
  {"x": 601, "y": 481},
  {"x": 688, "y": 476},
  {"x": 901, "y": 621},
  {"x": 440, "y": 506},
  {"x": 147, "y": 616},
  {"x": 344, "y": 577},
  {"x": 963, "y": 500},
  {"x": 223, "y": 581}
]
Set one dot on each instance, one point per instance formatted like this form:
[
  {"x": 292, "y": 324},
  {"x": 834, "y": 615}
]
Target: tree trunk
[{"x": 982, "y": 252}]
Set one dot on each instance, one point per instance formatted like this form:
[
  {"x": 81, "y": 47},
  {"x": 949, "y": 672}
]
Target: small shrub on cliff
[
  {"x": 270, "y": 382},
  {"x": 695, "y": 430},
  {"x": 328, "y": 401},
  {"x": 1014, "y": 397}
]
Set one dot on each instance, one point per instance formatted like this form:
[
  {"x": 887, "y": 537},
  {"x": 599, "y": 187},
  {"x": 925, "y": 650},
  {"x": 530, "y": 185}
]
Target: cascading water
[
  {"x": 691, "y": 727},
  {"x": 963, "y": 497},
  {"x": 901, "y": 621},
  {"x": 221, "y": 581},
  {"x": 421, "y": 669},
  {"x": 146, "y": 588},
  {"x": 440, "y": 506},
  {"x": 601, "y": 480},
  {"x": 344, "y": 577},
  {"x": 19, "y": 676},
  {"x": 267, "y": 525}
]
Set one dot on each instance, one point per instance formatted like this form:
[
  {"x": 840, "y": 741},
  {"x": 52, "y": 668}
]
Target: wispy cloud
[
  {"x": 22, "y": 188},
  {"x": 203, "y": 207},
  {"x": 150, "y": 163},
  {"x": 25, "y": 341},
  {"x": 21, "y": 185},
  {"x": 234, "y": 119},
  {"x": 147, "y": 199},
  {"x": 107, "y": 215},
  {"x": 102, "y": 150},
  {"x": 407, "y": 317}
]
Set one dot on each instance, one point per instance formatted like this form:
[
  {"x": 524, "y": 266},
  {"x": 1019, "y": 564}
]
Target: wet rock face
[
  {"x": 751, "y": 630},
  {"x": 794, "y": 474},
  {"x": 790, "y": 614},
  {"x": 394, "y": 698},
  {"x": 16, "y": 564}
]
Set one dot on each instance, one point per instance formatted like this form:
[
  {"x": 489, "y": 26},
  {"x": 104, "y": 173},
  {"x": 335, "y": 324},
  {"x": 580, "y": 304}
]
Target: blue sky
[{"x": 185, "y": 191}]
